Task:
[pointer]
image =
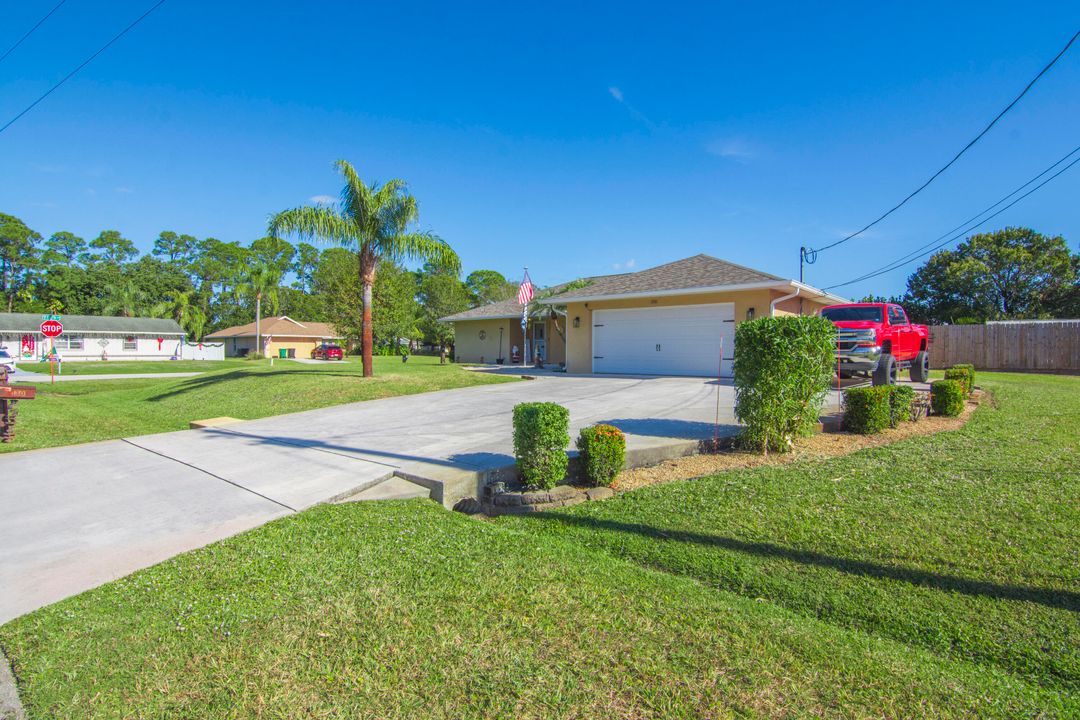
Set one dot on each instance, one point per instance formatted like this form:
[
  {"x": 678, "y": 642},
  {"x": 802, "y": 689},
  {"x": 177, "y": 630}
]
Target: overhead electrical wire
[
  {"x": 84, "y": 63},
  {"x": 956, "y": 157},
  {"x": 948, "y": 237},
  {"x": 31, "y": 30}
]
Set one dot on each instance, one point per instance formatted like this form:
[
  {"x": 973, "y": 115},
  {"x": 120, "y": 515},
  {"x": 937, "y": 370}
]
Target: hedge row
[{"x": 869, "y": 410}]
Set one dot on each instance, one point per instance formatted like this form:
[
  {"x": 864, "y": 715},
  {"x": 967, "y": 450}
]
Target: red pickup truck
[{"x": 877, "y": 339}]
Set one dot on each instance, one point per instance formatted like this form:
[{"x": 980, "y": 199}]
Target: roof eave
[{"x": 762, "y": 285}]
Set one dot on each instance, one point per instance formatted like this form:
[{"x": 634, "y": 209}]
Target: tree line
[
  {"x": 207, "y": 284},
  {"x": 1013, "y": 273}
]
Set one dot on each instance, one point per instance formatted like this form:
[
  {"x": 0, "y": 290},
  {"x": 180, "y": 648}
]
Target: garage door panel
[{"x": 676, "y": 340}]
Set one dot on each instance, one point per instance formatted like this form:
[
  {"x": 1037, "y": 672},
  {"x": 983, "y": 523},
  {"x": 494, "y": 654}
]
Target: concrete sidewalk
[{"x": 72, "y": 518}]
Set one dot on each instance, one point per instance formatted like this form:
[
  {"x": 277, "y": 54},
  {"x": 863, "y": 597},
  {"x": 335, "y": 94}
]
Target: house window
[
  {"x": 130, "y": 344},
  {"x": 74, "y": 343}
]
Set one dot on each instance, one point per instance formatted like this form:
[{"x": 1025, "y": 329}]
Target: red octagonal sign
[{"x": 51, "y": 328}]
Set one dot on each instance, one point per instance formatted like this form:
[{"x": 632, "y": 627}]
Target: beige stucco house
[
  {"x": 281, "y": 336},
  {"x": 674, "y": 319}
]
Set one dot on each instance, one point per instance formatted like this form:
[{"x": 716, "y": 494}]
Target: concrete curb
[{"x": 10, "y": 706}]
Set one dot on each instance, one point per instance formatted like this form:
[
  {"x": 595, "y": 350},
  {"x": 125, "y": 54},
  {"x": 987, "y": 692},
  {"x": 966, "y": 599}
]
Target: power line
[
  {"x": 956, "y": 157},
  {"x": 935, "y": 245},
  {"x": 974, "y": 217},
  {"x": 84, "y": 63},
  {"x": 31, "y": 30}
]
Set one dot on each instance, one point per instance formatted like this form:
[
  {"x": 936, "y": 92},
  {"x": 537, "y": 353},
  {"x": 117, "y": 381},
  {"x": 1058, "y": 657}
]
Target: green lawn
[
  {"x": 81, "y": 411},
  {"x": 934, "y": 578},
  {"x": 127, "y": 367}
]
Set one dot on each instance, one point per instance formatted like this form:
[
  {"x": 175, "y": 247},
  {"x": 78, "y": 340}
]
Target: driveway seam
[{"x": 207, "y": 472}]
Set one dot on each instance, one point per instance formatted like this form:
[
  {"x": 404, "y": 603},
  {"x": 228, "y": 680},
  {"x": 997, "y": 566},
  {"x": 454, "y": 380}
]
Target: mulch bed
[{"x": 817, "y": 446}]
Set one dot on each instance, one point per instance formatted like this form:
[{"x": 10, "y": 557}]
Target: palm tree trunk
[
  {"x": 258, "y": 323},
  {"x": 365, "y": 335}
]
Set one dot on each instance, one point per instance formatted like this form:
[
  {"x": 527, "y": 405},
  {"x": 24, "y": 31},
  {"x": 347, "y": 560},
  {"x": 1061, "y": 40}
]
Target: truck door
[{"x": 904, "y": 349}]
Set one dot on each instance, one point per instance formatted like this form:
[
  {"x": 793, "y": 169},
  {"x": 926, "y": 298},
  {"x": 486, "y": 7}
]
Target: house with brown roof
[
  {"x": 674, "y": 319},
  {"x": 281, "y": 337}
]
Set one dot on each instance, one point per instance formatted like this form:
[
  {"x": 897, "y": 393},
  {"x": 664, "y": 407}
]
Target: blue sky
[{"x": 573, "y": 139}]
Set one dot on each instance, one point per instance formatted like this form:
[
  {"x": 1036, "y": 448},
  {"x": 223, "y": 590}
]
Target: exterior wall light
[
  {"x": 750, "y": 313},
  {"x": 577, "y": 322}
]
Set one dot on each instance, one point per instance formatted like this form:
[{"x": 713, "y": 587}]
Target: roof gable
[{"x": 283, "y": 326}]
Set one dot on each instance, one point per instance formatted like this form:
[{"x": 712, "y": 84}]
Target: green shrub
[
  {"x": 970, "y": 369},
  {"x": 541, "y": 434},
  {"x": 947, "y": 397},
  {"x": 960, "y": 375},
  {"x": 867, "y": 410},
  {"x": 783, "y": 369},
  {"x": 901, "y": 398},
  {"x": 603, "y": 453}
]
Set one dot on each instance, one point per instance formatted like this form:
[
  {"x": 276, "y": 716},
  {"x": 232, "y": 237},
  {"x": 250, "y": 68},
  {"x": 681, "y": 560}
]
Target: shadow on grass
[
  {"x": 200, "y": 381},
  {"x": 1060, "y": 599}
]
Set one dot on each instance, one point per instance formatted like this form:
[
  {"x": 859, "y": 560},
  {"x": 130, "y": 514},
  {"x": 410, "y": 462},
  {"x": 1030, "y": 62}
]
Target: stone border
[{"x": 530, "y": 501}]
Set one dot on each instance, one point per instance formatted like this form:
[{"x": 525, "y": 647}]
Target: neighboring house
[
  {"x": 281, "y": 336},
  {"x": 89, "y": 337},
  {"x": 667, "y": 320}
]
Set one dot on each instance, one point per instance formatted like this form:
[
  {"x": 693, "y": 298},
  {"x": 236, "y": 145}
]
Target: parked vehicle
[
  {"x": 327, "y": 351},
  {"x": 7, "y": 360},
  {"x": 878, "y": 340}
]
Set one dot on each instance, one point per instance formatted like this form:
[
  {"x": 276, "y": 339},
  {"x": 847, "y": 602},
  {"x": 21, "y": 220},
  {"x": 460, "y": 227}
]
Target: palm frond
[
  {"x": 423, "y": 246},
  {"x": 356, "y": 197},
  {"x": 320, "y": 223}
]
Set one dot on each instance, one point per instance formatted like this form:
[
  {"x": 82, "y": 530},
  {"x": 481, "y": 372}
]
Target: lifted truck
[{"x": 878, "y": 340}]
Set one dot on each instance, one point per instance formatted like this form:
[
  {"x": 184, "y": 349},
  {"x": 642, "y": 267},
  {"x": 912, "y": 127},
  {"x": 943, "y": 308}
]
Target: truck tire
[
  {"x": 920, "y": 367},
  {"x": 885, "y": 374}
]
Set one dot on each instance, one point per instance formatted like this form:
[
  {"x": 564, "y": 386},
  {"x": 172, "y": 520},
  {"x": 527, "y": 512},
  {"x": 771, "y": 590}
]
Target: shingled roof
[
  {"x": 283, "y": 326},
  {"x": 89, "y": 324},
  {"x": 699, "y": 271}
]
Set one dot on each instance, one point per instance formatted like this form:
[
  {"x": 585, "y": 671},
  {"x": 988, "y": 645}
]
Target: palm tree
[
  {"x": 124, "y": 299},
  {"x": 261, "y": 280},
  {"x": 186, "y": 313},
  {"x": 374, "y": 219}
]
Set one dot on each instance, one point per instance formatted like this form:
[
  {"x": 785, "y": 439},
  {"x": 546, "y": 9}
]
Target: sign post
[
  {"x": 52, "y": 328},
  {"x": 9, "y": 396}
]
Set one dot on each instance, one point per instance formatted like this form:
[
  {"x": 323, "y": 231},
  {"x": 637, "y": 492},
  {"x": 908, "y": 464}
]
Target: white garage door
[{"x": 679, "y": 340}]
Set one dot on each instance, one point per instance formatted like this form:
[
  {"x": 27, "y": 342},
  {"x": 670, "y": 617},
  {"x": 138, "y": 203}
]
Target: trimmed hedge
[
  {"x": 603, "y": 453},
  {"x": 963, "y": 371},
  {"x": 947, "y": 397},
  {"x": 783, "y": 369},
  {"x": 541, "y": 434},
  {"x": 867, "y": 410},
  {"x": 900, "y": 399}
]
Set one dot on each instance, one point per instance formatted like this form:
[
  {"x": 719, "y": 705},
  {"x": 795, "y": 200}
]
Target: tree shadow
[
  {"x": 671, "y": 428},
  {"x": 1054, "y": 598},
  {"x": 482, "y": 460},
  {"x": 201, "y": 381}
]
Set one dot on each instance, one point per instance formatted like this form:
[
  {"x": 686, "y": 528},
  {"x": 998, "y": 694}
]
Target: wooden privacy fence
[{"x": 1046, "y": 346}]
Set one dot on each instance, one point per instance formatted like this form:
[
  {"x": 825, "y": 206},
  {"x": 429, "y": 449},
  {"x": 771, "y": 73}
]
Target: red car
[
  {"x": 327, "y": 351},
  {"x": 878, "y": 339}
]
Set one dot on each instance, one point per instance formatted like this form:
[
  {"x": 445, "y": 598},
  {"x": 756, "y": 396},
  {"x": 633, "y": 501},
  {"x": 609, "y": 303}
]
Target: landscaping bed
[{"x": 813, "y": 447}]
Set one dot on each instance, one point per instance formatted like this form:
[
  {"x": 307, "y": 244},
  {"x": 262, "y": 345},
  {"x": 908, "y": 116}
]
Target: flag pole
[{"x": 524, "y": 323}]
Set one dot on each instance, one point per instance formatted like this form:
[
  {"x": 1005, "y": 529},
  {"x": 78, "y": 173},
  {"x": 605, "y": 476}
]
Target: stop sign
[{"x": 52, "y": 328}]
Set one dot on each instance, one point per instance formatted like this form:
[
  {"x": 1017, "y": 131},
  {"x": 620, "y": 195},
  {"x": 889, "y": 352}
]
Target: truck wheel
[
  {"x": 920, "y": 367},
  {"x": 885, "y": 374}
]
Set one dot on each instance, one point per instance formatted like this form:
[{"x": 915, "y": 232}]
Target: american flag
[{"x": 525, "y": 290}]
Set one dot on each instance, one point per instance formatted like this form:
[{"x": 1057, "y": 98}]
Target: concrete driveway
[{"x": 75, "y": 517}]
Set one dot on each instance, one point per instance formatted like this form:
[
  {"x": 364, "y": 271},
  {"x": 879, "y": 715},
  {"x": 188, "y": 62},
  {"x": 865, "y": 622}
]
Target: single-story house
[
  {"x": 281, "y": 337},
  {"x": 89, "y": 337},
  {"x": 673, "y": 319}
]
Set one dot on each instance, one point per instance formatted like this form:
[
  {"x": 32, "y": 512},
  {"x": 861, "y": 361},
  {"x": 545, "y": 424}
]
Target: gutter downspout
[{"x": 777, "y": 301}]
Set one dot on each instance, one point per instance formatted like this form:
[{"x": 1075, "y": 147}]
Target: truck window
[
  {"x": 897, "y": 316},
  {"x": 853, "y": 313}
]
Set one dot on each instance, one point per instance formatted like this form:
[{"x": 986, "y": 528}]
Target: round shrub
[
  {"x": 783, "y": 369},
  {"x": 947, "y": 397},
  {"x": 541, "y": 434},
  {"x": 959, "y": 375},
  {"x": 901, "y": 398},
  {"x": 867, "y": 410},
  {"x": 603, "y": 453},
  {"x": 968, "y": 371}
]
